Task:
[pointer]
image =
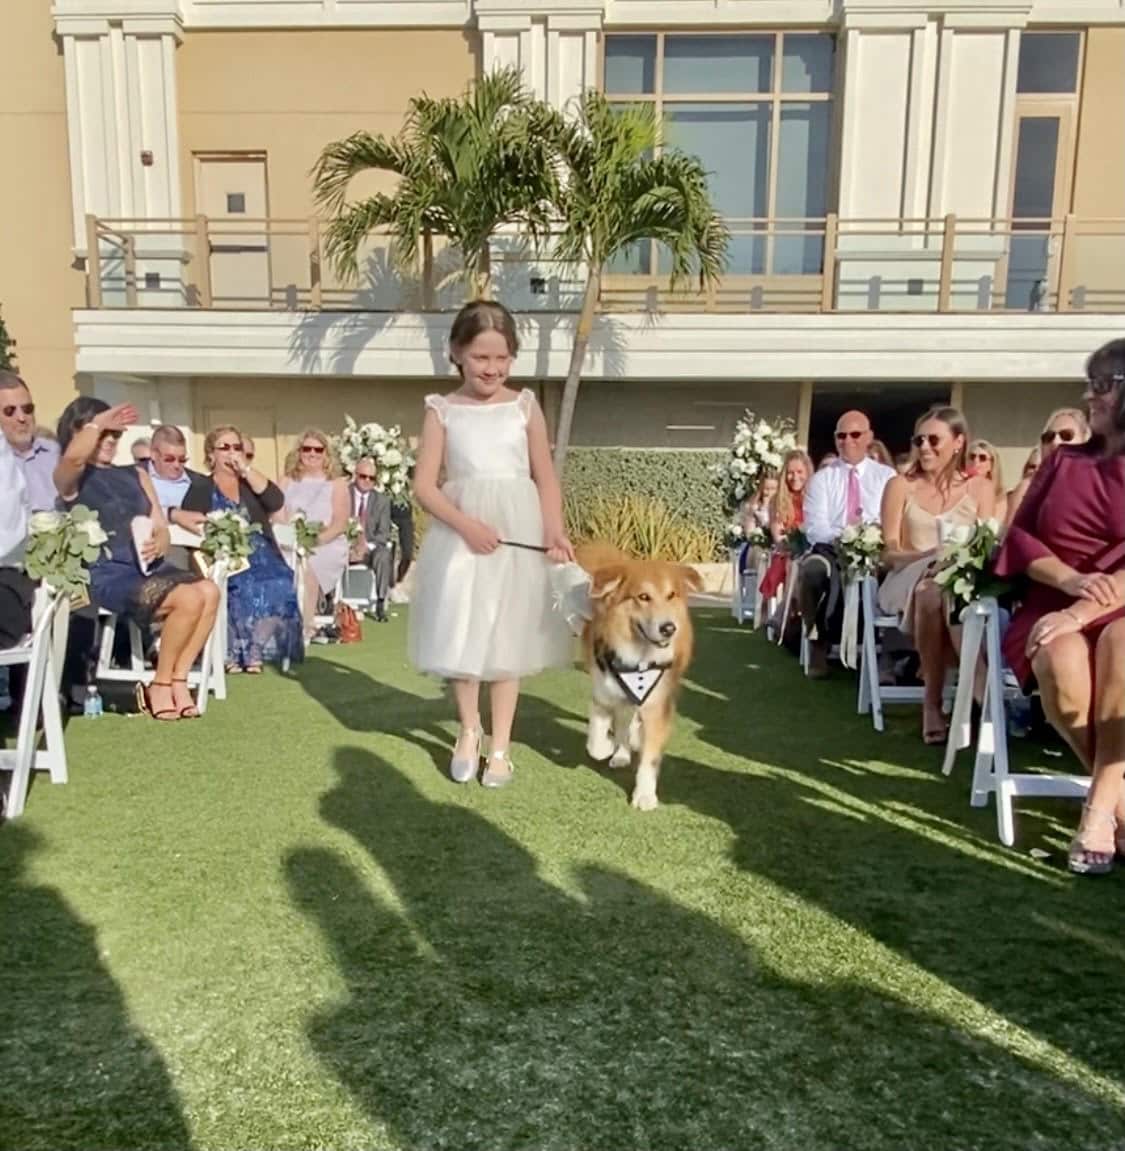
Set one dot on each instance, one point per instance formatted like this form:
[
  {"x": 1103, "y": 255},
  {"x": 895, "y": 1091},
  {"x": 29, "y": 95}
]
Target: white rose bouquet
[
  {"x": 737, "y": 535},
  {"x": 307, "y": 532},
  {"x": 386, "y": 446},
  {"x": 965, "y": 566},
  {"x": 859, "y": 550},
  {"x": 227, "y": 536},
  {"x": 61, "y": 546},
  {"x": 757, "y": 450}
]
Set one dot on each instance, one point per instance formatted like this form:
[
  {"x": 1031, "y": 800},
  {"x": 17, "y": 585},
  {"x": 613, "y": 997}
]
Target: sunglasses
[
  {"x": 933, "y": 440},
  {"x": 11, "y": 409},
  {"x": 1066, "y": 436},
  {"x": 228, "y": 447},
  {"x": 173, "y": 459},
  {"x": 980, "y": 457},
  {"x": 841, "y": 436},
  {"x": 1098, "y": 385},
  {"x": 364, "y": 476},
  {"x": 315, "y": 449}
]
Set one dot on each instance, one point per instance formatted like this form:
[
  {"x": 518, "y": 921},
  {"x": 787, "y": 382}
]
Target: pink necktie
[{"x": 855, "y": 500}]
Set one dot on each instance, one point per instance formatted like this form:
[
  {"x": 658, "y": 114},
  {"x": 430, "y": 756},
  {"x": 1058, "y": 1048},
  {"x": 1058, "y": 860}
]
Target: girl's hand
[
  {"x": 482, "y": 539},
  {"x": 559, "y": 549},
  {"x": 1098, "y": 587},
  {"x": 1050, "y": 628}
]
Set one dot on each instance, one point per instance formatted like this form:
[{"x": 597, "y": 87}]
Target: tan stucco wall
[
  {"x": 1099, "y": 176},
  {"x": 1012, "y": 415},
  {"x": 288, "y": 94},
  {"x": 38, "y": 287}
]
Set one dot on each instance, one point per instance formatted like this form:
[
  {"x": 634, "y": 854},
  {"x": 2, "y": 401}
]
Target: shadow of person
[
  {"x": 486, "y": 1007},
  {"x": 427, "y": 716},
  {"x": 866, "y": 827},
  {"x": 74, "y": 1070}
]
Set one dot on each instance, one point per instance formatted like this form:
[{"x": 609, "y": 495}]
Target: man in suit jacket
[{"x": 376, "y": 549}]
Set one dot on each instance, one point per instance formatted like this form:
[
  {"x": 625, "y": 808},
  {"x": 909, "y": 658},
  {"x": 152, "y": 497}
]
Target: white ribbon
[
  {"x": 849, "y": 637},
  {"x": 570, "y": 587}
]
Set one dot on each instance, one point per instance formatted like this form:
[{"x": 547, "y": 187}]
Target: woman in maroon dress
[{"x": 1068, "y": 540}]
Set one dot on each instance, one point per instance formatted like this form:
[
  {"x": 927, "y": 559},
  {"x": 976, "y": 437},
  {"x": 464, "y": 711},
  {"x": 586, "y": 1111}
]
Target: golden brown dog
[{"x": 637, "y": 645}]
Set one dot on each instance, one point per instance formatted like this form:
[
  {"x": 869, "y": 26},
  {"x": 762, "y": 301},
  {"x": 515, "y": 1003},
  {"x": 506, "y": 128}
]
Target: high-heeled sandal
[
  {"x": 464, "y": 768},
  {"x": 937, "y": 733},
  {"x": 144, "y": 704},
  {"x": 1083, "y": 860},
  {"x": 190, "y": 711},
  {"x": 494, "y": 779}
]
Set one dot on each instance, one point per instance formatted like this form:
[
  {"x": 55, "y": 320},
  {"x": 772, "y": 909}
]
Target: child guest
[{"x": 482, "y": 608}]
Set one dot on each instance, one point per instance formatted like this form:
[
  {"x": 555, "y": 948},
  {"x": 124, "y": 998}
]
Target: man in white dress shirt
[
  {"x": 846, "y": 492},
  {"x": 15, "y": 510}
]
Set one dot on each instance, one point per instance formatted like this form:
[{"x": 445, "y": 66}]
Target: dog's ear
[
  {"x": 689, "y": 578},
  {"x": 606, "y": 581}
]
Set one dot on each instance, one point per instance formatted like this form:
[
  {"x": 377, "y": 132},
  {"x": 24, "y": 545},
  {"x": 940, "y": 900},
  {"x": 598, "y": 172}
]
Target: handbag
[{"x": 348, "y": 625}]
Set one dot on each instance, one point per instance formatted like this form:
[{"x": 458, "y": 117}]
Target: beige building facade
[{"x": 926, "y": 200}]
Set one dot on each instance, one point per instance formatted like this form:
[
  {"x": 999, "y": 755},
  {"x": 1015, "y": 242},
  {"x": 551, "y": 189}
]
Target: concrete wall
[{"x": 38, "y": 287}]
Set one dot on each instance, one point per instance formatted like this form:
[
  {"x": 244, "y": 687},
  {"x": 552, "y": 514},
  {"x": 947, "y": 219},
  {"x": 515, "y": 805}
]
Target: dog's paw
[
  {"x": 599, "y": 750},
  {"x": 645, "y": 801},
  {"x": 620, "y": 758}
]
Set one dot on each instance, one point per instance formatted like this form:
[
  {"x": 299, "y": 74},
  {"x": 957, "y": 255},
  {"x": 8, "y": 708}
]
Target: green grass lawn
[{"x": 284, "y": 927}]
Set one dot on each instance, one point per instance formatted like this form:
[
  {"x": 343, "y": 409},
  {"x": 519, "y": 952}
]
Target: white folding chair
[
  {"x": 40, "y": 701},
  {"x": 356, "y": 587},
  {"x": 990, "y": 770}
]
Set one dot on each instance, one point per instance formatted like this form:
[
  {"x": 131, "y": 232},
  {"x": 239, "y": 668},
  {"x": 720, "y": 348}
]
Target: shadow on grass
[
  {"x": 74, "y": 1070},
  {"x": 866, "y": 827},
  {"x": 487, "y": 1008}
]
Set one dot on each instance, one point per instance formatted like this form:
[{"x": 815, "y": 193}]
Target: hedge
[{"x": 680, "y": 479}]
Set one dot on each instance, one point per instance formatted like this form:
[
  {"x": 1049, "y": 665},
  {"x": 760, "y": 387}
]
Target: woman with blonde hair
[
  {"x": 787, "y": 511},
  {"x": 314, "y": 489},
  {"x": 1063, "y": 426},
  {"x": 919, "y": 509},
  {"x": 984, "y": 460}
]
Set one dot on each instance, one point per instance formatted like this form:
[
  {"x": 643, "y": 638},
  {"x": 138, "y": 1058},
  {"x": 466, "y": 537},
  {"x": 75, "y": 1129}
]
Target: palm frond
[{"x": 341, "y": 161}]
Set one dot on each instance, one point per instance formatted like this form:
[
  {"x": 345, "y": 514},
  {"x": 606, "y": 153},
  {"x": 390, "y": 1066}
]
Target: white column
[{"x": 121, "y": 118}]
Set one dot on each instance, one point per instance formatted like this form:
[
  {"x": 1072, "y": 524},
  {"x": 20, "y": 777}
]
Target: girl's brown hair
[
  {"x": 481, "y": 316},
  {"x": 781, "y": 509},
  {"x": 213, "y": 437},
  {"x": 955, "y": 421},
  {"x": 331, "y": 465}
]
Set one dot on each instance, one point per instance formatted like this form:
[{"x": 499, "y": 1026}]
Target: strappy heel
[
  {"x": 188, "y": 711},
  {"x": 462, "y": 769},
  {"x": 144, "y": 704},
  {"x": 1083, "y": 860},
  {"x": 495, "y": 779}
]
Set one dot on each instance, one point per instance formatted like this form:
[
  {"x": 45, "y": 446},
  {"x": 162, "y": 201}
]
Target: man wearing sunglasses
[
  {"x": 847, "y": 491},
  {"x": 373, "y": 511},
  {"x": 35, "y": 455}
]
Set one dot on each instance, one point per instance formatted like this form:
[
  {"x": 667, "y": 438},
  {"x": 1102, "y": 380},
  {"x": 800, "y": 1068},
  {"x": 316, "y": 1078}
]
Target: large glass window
[
  {"x": 1049, "y": 63},
  {"x": 757, "y": 110}
]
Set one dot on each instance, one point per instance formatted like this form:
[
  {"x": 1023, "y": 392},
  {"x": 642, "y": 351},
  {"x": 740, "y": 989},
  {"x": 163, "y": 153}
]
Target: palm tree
[
  {"x": 466, "y": 167},
  {"x": 613, "y": 191}
]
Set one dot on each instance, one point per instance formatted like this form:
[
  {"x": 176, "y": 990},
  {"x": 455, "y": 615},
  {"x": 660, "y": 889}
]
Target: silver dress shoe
[
  {"x": 501, "y": 778},
  {"x": 463, "y": 769}
]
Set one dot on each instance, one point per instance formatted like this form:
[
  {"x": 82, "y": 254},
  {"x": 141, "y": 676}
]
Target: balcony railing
[{"x": 948, "y": 265}]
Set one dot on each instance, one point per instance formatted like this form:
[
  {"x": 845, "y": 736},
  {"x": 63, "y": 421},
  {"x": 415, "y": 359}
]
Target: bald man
[{"x": 849, "y": 490}]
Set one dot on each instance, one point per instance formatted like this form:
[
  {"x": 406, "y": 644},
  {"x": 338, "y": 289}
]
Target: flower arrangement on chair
[
  {"x": 756, "y": 451},
  {"x": 61, "y": 546},
  {"x": 737, "y": 535},
  {"x": 386, "y": 446},
  {"x": 965, "y": 566},
  {"x": 307, "y": 533},
  {"x": 227, "y": 536},
  {"x": 859, "y": 550}
]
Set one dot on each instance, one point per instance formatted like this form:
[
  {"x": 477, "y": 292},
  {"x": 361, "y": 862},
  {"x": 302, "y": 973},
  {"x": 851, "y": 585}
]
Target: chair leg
[
  {"x": 961, "y": 723},
  {"x": 54, "y": 741}
]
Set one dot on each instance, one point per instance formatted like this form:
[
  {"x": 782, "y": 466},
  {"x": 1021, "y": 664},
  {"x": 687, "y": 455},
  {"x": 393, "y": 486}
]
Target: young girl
[{"x": 481, "y": 608}]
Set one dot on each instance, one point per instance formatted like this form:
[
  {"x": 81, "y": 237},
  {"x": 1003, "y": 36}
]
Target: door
[
  {"x": 1040, "y": 195},
  {"x": 258, "y": 423},
  {"x": 231, "y": 188}
]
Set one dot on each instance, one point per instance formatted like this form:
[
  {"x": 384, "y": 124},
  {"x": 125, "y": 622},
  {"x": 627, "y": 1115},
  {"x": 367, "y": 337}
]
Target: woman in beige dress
[{"x": 920, "y": 509}]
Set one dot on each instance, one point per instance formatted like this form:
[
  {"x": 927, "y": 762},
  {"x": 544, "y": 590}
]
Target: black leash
[{"x": 526, "y": 547}]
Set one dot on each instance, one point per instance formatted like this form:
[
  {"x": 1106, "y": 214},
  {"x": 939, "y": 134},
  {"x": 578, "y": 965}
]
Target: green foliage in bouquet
[
  {"x": 61, "y": 546},
  {"x": 227, "y": 535}
]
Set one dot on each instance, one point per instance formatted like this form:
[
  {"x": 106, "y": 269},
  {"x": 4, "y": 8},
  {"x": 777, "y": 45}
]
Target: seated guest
[
  {"x": 15, "y": 511},
  {"x": 1064, "y": 426},
  {"x": 919, "y": 509},
  {"x": 372, "y": 510},
  {"x": 879, "y": 451},
  {"x": 312, "y": 486},
  {"x": 141, "y": 450},
  {"x": 249, "y": 449},
  {"x": 1067, "y": 541},
  {"x": 984, "y": 460},
  {"x": 263, "y": 618},
  {"x": 89, "y": 430},
  {"x": 754, "y": 516},
  {"x": 168, "y": 470},
  {"x": 827, "y": 460},
  {"x": 1030, "y": 465},
  {"x": 786, "y": 513},
  {"x": 847, "y": 491},
  {"x": 35, "y": 454}
]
